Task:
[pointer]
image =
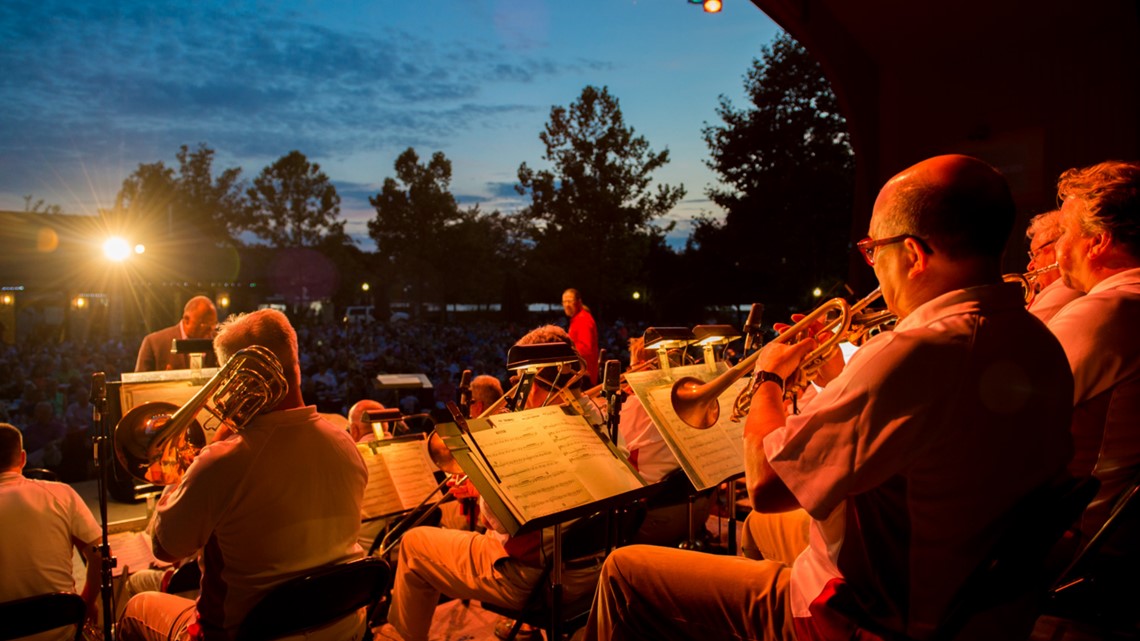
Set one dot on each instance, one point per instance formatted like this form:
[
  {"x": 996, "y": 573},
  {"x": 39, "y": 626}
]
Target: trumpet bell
[
  {"x": 692, "y": 405},
  {"x": 144, "y": 455}
]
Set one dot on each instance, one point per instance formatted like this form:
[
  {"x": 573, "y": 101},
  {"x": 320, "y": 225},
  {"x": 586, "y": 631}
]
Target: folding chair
[
  {"x": 30, "y": 615},
  {"x": 317, "y": 599},
  {"x": 1014, "y": 569}
]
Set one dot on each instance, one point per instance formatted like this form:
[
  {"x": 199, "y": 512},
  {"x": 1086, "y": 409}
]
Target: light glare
[{"x": 116, "y": 249}]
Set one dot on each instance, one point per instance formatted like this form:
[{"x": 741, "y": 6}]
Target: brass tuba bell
[{"x": 157, "y": 441}]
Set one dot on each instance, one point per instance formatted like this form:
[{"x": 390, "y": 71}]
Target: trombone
[
  {"x": 696, "y": 402},
  {"x": 156, "y": 445}
]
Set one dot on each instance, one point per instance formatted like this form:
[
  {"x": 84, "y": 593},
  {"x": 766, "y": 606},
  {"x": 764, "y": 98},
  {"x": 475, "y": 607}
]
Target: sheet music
[
  {"x": 548, "y": 461},
  {"x": 713, "y": 455},
  {"x": 133, "y": 550},
  {"x": 400, "y": 476}
]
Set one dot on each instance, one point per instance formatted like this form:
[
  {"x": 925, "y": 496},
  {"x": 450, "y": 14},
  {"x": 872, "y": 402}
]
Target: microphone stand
[{"x": 99, "y": 403}]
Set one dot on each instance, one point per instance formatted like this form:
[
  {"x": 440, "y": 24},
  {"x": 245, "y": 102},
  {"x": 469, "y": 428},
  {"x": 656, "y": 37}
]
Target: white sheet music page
[
  {"x": 714, "y": 454},
  {"x": 400, "y": 476},
  {"x": 548, "y": 461}
]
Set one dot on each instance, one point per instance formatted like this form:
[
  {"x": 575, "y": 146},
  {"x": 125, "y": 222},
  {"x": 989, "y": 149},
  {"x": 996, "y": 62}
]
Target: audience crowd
[{"x": 45, "y": 385}]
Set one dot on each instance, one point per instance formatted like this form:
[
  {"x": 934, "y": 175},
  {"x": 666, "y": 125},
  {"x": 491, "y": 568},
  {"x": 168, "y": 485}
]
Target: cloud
[{"x": 84, "y": 82}]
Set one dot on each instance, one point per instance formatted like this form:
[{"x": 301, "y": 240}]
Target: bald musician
[
  {"x": 199, "y": 318},
  {"x": 358, "y": 424},
  {"x": 907, "y": 462},
  {"x": 276, "y": 499}
]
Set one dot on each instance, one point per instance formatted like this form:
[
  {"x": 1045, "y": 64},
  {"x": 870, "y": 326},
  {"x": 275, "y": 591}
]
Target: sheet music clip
[
  {"x": 664, "y": 339},
  {"x": 710, "y": 336}
]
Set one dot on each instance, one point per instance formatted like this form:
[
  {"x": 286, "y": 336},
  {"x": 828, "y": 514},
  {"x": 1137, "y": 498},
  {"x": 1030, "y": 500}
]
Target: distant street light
[
  {"x": 817, "y": 292},
  {"x": 637, "y": 296},
  {"x": 365, "y": 287}
]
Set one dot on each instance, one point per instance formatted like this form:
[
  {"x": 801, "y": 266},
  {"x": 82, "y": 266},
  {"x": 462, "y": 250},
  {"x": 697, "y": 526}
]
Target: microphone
[
  {"x": 611, "y": 385},
  {"x": 98, "y": 395},
  {"x": 465, "y": 391},
  {"x": 752, "y": 325},
  {"x": 611, "y": 376}
]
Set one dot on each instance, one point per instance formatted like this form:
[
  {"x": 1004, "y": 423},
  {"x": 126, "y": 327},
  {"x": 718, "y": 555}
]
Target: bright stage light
[
  {"x": 116, "y": 249},
  {"x": 140, "y": 248}
]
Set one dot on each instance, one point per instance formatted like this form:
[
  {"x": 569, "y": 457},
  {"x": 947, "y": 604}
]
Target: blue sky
[{"x": 91, "y": 89}]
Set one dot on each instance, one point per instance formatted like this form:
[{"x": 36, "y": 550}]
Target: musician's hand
[
  {"x": 783, "y": 359},
  {"x": 831, "y": 366}
]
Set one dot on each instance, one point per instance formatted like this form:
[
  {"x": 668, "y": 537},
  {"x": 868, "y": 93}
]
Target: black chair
[
  {"x": 30, "y": 615},
  {"x": 1098, "y": 589},
  {"x": 316, "y": 599},
  {"x": 1015, "y": 567},
  {"x": 40, "y": 474},
  {"x": 587, "y": 539},
  {"x": 187, "y": 577}
]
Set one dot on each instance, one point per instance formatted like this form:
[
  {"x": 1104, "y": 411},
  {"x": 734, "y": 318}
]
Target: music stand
[{"x": 197, "y": 348}]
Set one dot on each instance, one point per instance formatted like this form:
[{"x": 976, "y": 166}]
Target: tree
[
  {"x": 788, "y": 171},
  {"x": 189, "y": 203},
  {"x": 39, "y": 206},
  {"x": 293, "y": 204},
  {"x": 412, "y": 211},
  {"x": 591, "y": 214}
]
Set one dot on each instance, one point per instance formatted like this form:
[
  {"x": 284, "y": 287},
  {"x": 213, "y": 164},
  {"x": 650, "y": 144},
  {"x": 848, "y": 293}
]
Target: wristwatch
[{"x": 764, "y": 376}]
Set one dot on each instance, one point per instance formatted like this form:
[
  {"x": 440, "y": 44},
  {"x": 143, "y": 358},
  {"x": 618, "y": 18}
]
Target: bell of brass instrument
[
  {"x": 157, "y": 441},
  {"x": 1028, "y": 281},
  {"x": 696, "y": 402}
]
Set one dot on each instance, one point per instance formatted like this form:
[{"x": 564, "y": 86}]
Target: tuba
[
  {"x": 695, "y": 402},
  {"x": 157, "y": 441}
]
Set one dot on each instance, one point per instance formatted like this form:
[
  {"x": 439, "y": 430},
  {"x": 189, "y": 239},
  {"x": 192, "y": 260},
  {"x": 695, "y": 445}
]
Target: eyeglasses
[
  {"x": 1033, "y": 252},
  {"x": 867, "y": 246}
]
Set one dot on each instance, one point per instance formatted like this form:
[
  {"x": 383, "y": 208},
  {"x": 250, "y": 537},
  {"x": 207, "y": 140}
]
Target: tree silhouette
[
  {"x": 788, "y": 168},
  {"x": 591, "y": 214},
  {"x": 412, "y": 211},
  {"x": 157, "y": 202},
  {"x": 293, "y": 204}
]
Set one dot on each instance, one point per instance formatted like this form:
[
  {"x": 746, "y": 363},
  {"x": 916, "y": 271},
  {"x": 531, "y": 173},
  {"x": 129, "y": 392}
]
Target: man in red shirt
[{"x": 583, "y": 331}]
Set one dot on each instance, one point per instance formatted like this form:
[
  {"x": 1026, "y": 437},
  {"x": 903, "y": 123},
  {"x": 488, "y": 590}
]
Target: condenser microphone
[{"x": 752, "y": 325}]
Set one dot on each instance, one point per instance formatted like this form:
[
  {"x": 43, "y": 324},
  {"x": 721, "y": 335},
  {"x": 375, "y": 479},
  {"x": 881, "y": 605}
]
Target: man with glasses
[
  {"x": 910, "y": 459},
  {"x": 1052, "y": 294},
  {"x": 199, "y": 320},
  {"x": 1098, "y": 252}
]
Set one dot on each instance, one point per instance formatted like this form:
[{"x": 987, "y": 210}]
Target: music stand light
[
  {"x": 663, "y": 339},
  {"x": 529, "y": 359},
  {"x": 710, "y": 336},
  {"x": 196, "y": 348}
]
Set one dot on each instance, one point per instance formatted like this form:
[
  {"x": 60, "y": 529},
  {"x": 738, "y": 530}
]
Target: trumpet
[
  {"x": 157, "y": 441},
  {"x": 696, "y": 402},
  {"x": 1028, "y": 281}
]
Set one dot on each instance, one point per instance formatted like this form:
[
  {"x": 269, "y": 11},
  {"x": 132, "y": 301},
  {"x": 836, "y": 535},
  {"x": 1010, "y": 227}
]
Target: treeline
[{"x": 593, "y": 220}]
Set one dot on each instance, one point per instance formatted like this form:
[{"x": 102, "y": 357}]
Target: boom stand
[{"x": 99, "y": 403}]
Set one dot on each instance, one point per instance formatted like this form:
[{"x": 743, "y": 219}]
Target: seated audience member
[
  {"x": 909, "y": 460},
  {"x": 275, "y": 499},
  {"x": 43, "y": 522},
  {"x": 488, "y": 566},
  {"x": 42, "y": 436},
  {"x": 1052, "y": 293},
  {"x": 1099, "y": 254}
]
